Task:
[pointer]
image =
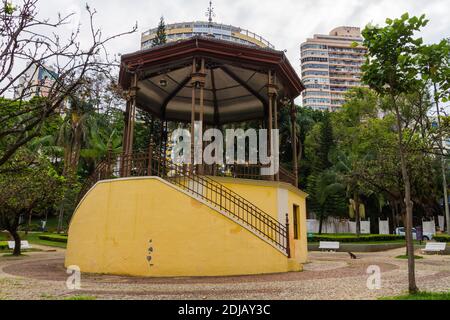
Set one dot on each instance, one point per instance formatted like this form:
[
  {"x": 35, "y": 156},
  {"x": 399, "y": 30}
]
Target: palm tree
[
  {"x": 73, "y": 134},
  {"x": 347, "y": 167},
  {"x": 326, "y": 195}
]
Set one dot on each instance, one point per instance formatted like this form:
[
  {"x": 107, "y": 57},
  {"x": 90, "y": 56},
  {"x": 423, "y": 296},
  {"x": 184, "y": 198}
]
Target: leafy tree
[
  {"x": 391, "y": 70},
  {"x": 325, "y": 144},
  {"x": 27, "y": 183},
  {"x": 305, "y": 121},
  {"x": 434, "y": 61},
  {"x": 160, "y": 33},
  {"x": 351, "y": 151}
]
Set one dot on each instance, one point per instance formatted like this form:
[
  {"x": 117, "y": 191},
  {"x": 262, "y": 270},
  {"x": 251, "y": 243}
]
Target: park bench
[
  {"x": 434, "y": 247},
  {"x": 23, "y": 244},
  {"x": 329, "y": 245}
]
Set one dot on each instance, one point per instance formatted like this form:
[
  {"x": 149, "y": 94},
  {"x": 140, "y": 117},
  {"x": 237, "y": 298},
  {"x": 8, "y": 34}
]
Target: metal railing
[{"x": 152, "y": 163}]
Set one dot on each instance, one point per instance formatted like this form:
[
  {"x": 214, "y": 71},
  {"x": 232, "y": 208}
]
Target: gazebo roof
[{"x": 236, "y": 79}]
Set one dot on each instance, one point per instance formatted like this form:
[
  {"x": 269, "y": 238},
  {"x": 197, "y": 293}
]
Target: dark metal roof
[{"x": 235, "y": 84}]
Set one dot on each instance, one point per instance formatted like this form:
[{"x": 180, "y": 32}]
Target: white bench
[
  {"x": 329, "y": 245},
  {"x": 23, "y": 244},
  {"x": 434, "y": 247}
]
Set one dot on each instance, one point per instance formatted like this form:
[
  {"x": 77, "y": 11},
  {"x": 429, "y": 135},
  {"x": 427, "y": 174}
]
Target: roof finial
[{"x": 210, "y": 13}]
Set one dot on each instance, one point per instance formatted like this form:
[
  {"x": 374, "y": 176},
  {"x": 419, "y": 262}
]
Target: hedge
[
  {"x": 3, "y": 245},
  {"x": 441, "y": 237},
  {"x": 353, "y": 238},
  {"x": 53, "y": 238}
]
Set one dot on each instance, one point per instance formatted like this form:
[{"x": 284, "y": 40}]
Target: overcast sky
[{"x": 285, "y": 23}]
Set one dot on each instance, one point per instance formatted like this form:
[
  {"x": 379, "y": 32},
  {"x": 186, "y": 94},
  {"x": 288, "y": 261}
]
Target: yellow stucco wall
[
  {"x": 111, "y": 231},
  {"x": 299, "y": 247},
  {"x": 266, "y": 196}
]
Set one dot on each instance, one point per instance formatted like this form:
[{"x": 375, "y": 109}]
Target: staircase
[{"x": 223, "y": 199}]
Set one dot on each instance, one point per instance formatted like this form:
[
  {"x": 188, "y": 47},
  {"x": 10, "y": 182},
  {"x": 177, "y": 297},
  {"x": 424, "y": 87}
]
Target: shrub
[
  {"x": 54, "y": 238},
  {"x": 31, "y": 227},
  {"x": 353, "y": 238},
  {"x": 441, "y": 237},
  {"x": 3, "y": 245}
]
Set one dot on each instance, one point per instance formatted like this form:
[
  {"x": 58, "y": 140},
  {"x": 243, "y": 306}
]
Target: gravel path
[{"x": 41, "y": 275}]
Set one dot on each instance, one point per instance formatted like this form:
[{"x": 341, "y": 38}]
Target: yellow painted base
[{"x": 147, "y": 227}]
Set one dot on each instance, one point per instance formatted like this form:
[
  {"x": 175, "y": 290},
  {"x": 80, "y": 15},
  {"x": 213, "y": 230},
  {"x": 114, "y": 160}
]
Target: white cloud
[{"x": 285, "y": 23}]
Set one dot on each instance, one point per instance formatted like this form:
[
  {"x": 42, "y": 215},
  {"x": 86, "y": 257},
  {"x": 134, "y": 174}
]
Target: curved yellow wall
[{"x": 119, "y": 221}]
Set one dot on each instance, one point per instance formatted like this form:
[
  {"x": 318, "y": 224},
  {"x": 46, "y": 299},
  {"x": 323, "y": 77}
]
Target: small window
[{"x": 296, "y": 214}]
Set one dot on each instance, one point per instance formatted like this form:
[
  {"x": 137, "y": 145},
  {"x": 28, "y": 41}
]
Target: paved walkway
[{"x": 41, "y": 275}]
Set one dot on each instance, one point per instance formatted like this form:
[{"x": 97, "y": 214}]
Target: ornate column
[
  {"x": 198, "y": 80},
  {"x": 193, "y": 116},
  {"x": 130, "y": 115},
  {"x": 294, "y": 141},
  {"x": 272, "y": 93}
]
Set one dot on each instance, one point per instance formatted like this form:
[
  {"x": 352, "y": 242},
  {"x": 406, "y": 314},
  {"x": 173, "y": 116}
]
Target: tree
[
  {"x": 391, "y": 70},
  {"x": 160, "y": 33},
  {"x": 434, "y": 61},
  {"x": 327, "y": 196},
  {"x": 27, "y": 183},
  {"x": 29, "y": 43},
  {"x": 350, "y": 153},
  {"x": 325, "y": 144},
  {"x": 347, "y": 166}
]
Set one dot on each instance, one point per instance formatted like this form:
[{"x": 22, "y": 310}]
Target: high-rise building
[
  {"x": 331, "y": 65},
  {"x": 185, "y": 30},
  {"x": 36, "y": 81}
]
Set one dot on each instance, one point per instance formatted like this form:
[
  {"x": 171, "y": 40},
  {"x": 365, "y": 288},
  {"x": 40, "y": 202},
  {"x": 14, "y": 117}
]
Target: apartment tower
[{"x": 331, "y": 65}]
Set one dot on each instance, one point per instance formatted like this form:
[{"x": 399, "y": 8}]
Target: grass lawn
[
  {"x": 33, "y": 237},
  {"x": 406, "y": 257},
  {"x": 421, "y": 296}
]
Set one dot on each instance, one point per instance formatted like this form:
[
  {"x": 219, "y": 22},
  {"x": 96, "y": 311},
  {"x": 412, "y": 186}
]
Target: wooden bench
[
  {"x": 329, "y": 245},
  {"x": 435, "y": 247},
  {"x": 23, "y": 244}
]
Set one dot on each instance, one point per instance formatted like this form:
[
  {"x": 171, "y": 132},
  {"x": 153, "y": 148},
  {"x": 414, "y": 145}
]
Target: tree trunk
[
  {"x": 394, "y": 217},
  {"x": 29, "y": 223},
  {"x": 443, "y": 162},
  {"x": 409, "y": 208},
  {"x": 15, "y": 235},
  {"x": 60, "y": 218},
  {"x": 320, "y": 224},
  {"x": 357, "y": 216}
]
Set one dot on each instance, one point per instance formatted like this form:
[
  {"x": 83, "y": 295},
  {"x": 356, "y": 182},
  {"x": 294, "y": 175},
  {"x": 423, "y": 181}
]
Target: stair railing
[{"x": 153, "y": 163}]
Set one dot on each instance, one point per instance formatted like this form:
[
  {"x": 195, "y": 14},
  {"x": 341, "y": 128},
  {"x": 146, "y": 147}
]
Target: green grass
[
  {"x": 421, "y": 296},
  {"x": 34, "y": 238},
  {"x": 3, "y": 245},
  {"x": 404, "y": 256},
  {"x": 81, "y": 298}
]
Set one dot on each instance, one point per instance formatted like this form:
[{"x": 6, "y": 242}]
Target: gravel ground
[{"x": 41, "y": 275}]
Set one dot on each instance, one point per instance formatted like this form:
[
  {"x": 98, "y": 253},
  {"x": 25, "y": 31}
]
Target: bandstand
[{"x": 142, "y": 214}]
